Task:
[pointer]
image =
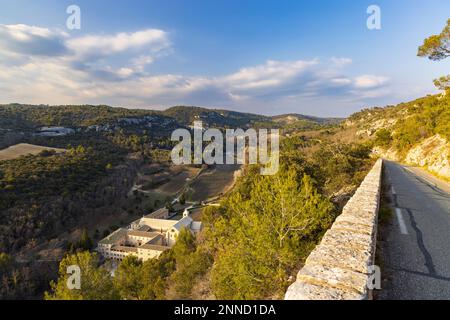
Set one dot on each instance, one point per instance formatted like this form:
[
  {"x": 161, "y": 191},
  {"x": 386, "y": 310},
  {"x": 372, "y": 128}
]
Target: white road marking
[
  {"x": 401, "y": 222},
  {"x": 393, "y": 190}
]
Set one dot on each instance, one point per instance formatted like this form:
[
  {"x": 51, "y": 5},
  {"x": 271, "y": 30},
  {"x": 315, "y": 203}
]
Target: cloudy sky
[{"x": 268, "y": 57}]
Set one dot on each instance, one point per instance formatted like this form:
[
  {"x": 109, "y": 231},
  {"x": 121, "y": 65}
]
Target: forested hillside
[
  {"x": 22, "y": 119},
  {"x": 44, "y": 195},
  {"x": 252, "y": 244},
  {"x": 322, "y": 162},
  {"x": 19, "y": 116},
  {"x": 406, "y": 123},
  {"x": 416, "y": 132}
]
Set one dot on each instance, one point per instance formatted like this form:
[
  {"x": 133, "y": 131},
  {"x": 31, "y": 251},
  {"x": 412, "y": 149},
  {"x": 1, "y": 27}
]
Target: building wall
[
  {"x": 162, "y": 213},
  {"x": 170, "y": 229},
  {"x": 171, "y": 236},
  {"x": 145, "y": 254},
  {"x": 138, "y": 239}
]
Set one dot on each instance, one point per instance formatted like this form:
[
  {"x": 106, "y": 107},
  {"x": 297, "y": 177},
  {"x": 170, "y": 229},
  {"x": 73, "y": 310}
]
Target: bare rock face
[
  {"x": 433, "y": 153},
  {"x": 375, "y": 126},
  {"x": 389, "y": 154}
]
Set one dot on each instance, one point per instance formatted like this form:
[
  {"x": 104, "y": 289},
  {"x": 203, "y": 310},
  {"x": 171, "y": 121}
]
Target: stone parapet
[{"x": 340, "y": 266}]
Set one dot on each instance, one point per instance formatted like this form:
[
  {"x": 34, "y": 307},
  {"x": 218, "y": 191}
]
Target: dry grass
[
  {"x": 167, "y": 180},
  {"x": 23, "y": 149},
  {"x": 178, "y": 179},
  {"x": 213, "y": 182}
]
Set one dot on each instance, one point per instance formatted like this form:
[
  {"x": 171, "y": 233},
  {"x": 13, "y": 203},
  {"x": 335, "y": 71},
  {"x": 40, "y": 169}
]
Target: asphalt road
[{"x": 414, "y": 244}]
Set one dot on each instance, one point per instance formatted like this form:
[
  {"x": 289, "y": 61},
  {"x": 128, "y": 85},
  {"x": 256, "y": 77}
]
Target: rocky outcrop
[
  {"x": 389, "y": 154},
  {"x": 432, "y": 153},
  {"x": 374, "y": 126},
  {"x": 339, "y": 267}
]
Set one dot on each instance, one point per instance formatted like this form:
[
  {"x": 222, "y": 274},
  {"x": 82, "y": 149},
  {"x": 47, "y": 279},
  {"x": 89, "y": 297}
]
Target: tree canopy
[
  {"x": 437, "y": 47},
  {"x": 259, "y": 239},
  {"x": 96, "y": 283}
]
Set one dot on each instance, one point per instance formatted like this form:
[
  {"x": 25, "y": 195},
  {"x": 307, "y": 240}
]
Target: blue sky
[{"x": 270, "y": 57}]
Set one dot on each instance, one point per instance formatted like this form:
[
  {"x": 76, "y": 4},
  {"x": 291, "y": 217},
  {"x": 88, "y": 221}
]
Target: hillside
[
  {"x": 322, "y": 159},
  {"x": 293, "y": 117},
  {"x": 226, "y": 118},
  {"x": 21, "y": 116},
  {"x": 48, "y": 199},
  {"x": 212, "y": 117},
  {"x": 19, "y": 122},
  {"x": 415, "y": 132}
]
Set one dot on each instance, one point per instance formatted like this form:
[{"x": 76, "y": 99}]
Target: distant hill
[
  {"x": 30, "y": 117},
  {"x": 213, "y": 117},
  {"x": 21, "y": 116},
  {"x": 293, "y": 117},
  {"x": 225, "y": 118}
]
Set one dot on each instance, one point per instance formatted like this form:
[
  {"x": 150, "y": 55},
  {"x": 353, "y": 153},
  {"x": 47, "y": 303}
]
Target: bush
[{"x": 383, "y": 138}]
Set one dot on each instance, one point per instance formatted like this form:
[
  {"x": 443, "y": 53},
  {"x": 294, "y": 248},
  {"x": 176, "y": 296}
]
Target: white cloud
[
  {"x": 26, "y": 33},
  {"x": 272, "y": 73},
  {"x": 341, "y": 62},
  {"x": 140, "y": 62},
  {"x": 95, "y": 46},
  {"x": 84, "y": 70},
  {"x": 20, "y": 44},
  {"x": 22, "y": 39},
  {"x": 370, "y": 81},
  {"x": 341, "y": 81}
]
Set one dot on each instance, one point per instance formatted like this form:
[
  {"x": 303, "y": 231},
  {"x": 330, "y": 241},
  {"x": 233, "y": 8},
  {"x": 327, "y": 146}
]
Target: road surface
[{"x": 414, "y": 245}]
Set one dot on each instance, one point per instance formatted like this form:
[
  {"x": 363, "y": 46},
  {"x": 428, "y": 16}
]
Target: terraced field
[
  {"x": 23, "y": 149},
  {"x": 213, "y": 182}
]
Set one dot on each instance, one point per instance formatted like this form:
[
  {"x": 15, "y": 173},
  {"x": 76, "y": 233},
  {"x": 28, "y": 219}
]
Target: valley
[
  {"x": 125, "y": 167},
  {"x": 207, "y": 152},
  {"x": 133, "y": 175},
  {"x": 113, "y": 166}
]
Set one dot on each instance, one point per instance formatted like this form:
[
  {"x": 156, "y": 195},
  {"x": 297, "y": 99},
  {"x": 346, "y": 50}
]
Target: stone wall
[{"x": 339, "y": 267}]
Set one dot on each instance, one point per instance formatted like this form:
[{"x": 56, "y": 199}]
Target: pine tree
[{"x": 96, "y": 283}]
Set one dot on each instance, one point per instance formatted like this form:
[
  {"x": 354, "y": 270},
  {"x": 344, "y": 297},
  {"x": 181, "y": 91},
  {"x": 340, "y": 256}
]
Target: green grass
[{"x": 385, "y": 214}]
